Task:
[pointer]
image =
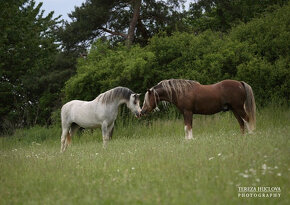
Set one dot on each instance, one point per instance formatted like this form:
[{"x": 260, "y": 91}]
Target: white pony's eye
[{"x": 133, "y": 99}]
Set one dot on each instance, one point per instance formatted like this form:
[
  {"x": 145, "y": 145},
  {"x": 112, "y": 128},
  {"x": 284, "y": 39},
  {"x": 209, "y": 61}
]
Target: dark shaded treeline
[{"x": 213, "y": 40}]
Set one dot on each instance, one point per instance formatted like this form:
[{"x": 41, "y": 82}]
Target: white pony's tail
[
  {"x": 66, "y": 135},
  {"x": 250, "y": 106},
  {"x": 68, "y": 139}
]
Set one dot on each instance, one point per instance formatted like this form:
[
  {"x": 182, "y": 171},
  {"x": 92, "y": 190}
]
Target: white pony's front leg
[
  {"x": 105, "y": 133},
  {"x": 110, "y": 130}
]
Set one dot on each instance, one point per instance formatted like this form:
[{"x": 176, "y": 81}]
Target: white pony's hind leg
[
  {"x": 73, "y": 129},
  {"x": 65, "y": 133}
]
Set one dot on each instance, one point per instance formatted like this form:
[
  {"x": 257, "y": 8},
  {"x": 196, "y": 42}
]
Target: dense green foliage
[
  {"x": 222, "y": 15},
  {"x": 32, "y": 69},
  {"x": 256, "y": 52},
  {"x": 149, "y": 164},
  {"x": 148, "y": 161},
  {"x": 213, "y": 40}
]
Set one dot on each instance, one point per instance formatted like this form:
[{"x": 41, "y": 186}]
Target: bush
[
  {"x": 256, "y": 52},
  {"x": 270, "y": 82},
  {"x": 106, "y": 68}
]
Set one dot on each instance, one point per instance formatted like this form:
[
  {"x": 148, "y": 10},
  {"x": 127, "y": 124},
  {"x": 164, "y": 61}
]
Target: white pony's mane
[{"x": 115, "y": 93}]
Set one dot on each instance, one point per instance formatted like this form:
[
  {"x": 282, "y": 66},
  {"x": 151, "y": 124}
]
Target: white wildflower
[
  {"x": 244, "y": 175},
  {"x": 210, "y": 158},
  {"x": 279, "y": 174}
]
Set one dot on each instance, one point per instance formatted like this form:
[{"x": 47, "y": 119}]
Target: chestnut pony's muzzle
[
  {"x": 138, "y": 114},
  {"x": 143, "y": 112}
]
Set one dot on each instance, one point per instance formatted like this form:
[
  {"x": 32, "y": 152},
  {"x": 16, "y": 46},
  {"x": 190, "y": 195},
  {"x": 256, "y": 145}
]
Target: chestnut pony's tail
[{"x": 250, "y": 106}]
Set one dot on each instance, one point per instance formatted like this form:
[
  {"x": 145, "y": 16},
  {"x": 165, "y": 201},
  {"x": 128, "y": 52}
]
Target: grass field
[{"x": 150, "y": 163}]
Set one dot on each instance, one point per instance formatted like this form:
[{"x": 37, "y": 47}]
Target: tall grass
[{"x": 149, "y": 162}]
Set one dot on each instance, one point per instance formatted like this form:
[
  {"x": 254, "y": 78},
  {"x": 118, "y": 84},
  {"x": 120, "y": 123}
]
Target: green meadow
[{"x": 150, "y": 162}]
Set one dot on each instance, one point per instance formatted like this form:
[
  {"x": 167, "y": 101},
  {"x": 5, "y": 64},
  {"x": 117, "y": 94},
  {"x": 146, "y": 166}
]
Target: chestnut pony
[{"x": 190, "y": 97}]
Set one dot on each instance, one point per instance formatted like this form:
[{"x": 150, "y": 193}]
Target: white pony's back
[{"x": 87, "y": 114}]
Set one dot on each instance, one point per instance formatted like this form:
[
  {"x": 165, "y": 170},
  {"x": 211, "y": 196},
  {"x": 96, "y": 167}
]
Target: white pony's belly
[
  {"x": 92, "y": 116},
  {"x": 86, "y": 124},
  {"x": 87, "y": 120}
]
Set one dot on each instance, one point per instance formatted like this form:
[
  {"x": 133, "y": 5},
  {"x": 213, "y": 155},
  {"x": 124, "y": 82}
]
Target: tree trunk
[{"x": 136, "y": 4}]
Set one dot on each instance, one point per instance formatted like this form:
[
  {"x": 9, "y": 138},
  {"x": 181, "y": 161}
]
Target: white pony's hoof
[
  {"x": 105, "y": 145},
  {"x": 190, "y": 139}
]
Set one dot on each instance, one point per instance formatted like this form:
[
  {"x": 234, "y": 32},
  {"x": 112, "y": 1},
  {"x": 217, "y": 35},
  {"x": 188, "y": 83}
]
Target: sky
[
  {"x": 63, "y": 7},
  {"x": 60, "y": 7}
]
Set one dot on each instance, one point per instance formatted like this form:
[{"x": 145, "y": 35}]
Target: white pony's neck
[
  {"x": 123, "y": 101},
  {"x": 116, "y": 102}
]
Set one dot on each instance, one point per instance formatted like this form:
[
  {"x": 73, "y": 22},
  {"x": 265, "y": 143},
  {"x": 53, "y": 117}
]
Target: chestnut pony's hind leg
[
  {"x": 241, "y": 121},
  {"x": 242, "y": 118}
]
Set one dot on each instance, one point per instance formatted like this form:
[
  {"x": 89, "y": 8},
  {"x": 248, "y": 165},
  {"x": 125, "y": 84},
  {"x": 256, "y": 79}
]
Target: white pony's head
[{"x": 134, "y": 104}]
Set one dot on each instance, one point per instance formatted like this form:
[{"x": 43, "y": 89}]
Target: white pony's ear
[{"x": 136, "y": 95}]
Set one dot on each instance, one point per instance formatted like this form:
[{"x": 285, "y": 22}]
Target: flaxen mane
[
  {"x": 115, "y": 93},
  {"x": 179, "y": 86}
]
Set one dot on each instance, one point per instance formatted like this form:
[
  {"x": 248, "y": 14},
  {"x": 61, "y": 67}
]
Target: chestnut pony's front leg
[{"x": 187, "y": 115}]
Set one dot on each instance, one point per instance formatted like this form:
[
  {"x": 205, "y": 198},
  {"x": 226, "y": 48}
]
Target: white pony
[{"x": 101, "y": 112}]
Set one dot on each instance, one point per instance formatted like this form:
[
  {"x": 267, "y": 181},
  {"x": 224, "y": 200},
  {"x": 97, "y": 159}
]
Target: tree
[
  {"x": 221, "y": 15},
  {"x": 129, "y": 20},
  {"x": 256, "y": 52},
  {"x": 27, "y": 50}
]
